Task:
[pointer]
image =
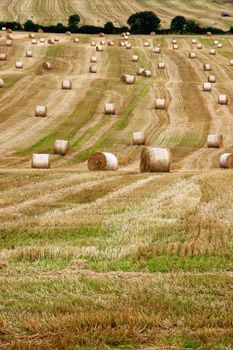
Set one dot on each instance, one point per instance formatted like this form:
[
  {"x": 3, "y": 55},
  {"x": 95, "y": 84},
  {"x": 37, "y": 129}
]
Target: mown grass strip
[
  {"x": 110, "y": 138},
  {"x": 166, "y": 264},
  {"x": 20, "y": 237},
  {"x": 82, "y": 113},
  {"x": 74, "y": 122}
]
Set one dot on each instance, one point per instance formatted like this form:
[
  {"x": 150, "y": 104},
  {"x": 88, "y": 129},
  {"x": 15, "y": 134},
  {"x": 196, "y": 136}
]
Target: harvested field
[
  {"x": 115, "y": 259},
  {"x": 207, "y": 12}
]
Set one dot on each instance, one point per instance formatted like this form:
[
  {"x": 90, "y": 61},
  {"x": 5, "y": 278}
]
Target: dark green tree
[
  {"x": 73, "y": 21},
  {"x": 88, "y": 29},
  {"x": 192, "y": 27},
  {"x": 109, "y": 28},
  {"x": 30, "y": 26},
  {"x": 178, "y": 24},
  {"x": 144, "y": 22},
  {"x": 60, "y": 28}
]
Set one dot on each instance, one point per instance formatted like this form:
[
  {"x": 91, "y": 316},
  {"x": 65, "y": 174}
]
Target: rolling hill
[{"x": 97, "y": 12}]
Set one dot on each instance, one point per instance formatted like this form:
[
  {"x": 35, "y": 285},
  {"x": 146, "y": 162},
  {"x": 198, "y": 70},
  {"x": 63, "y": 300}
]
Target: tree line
[{"x": 138, "y": 23}]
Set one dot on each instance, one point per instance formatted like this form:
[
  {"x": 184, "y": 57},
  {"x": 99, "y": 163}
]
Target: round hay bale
[
  {"x": 3, "y": 56},
  {"x": 42, "y": 40},
  {"x": 155, "y": 160},
  {"x": 147, "y": 44},
  {"x": 199, "y": 46},
  {"x": 99, "y": 48},
  {"x": 212, "y": 52},
  {"x": 61, "y": 147},
  {"x": 128, "y": 46},
  {"x": 102, "y": 161},
  {"x": 110, "y": 43},
  {"x": 121, "y": 44},
  {"x": 126, "y": 37},
  {"x": 209, "y": 34},
  {"x": 139, "y": 138},
  {"x": 66, "y": 84},
  {"x": 175, "y": 47},
  {"x": 50, "y": 41},
  {"x": 192, "y": 55},
  {"x": 47, "y": 65},
  {"x": 68, "y": 33},
  {"x": 226, "y": 161},
  {"x": 19, "y": 65},
  {"x": 207, "y": 86},
  {"x": 128, "y": 79},
  {"x": 161, "y": 65},
  {"x": 9, "y": 36},
  {"x": 76, "y": 40},
  {"x": 93, "y": 59},
  {"x": 29, "y": 53},
  {"x": 127, "y": 33},
  {"x": 110, "y": 108},
  {"x": 135, "y": 58},
  {"x": 157, "y": 50},
  {"x": 9, "y": 31},
  {"x": 40, "y": 30},
  {"x": 231, "y": 62},
  {"x": 101, "y": 35},
  {"x": 93, "y": 43},
  {"x": 3, "y": 29},
  {"x": 92, "y": 69},
  {"x": 40, "y": 161},
  {"x": 216, "y": 42},
  {"x": 41, "y": 111},
  {"x": 147, "y": 73},
  {"x": 174, "y": 41},
  {"x": 219, "y": 46},
  {"x": 152, "y": 33},
  {"x": 34, "y": 42},
  {"x": 1, "y": 83},
  {"x": 211, "y": 79},
  {"x": 160, "y": 103},
  {"x": 56, "y": 40},
  {"x": 102, "y": 42},
  {"x": 31, "y": 36},
  {"x": 140, "y": 71},
  {"x": 9, "y": 42},
  {"x": 214, "y": 141},
  {"x": 223, "y": 100},
  {"x": 207, "y": 67},
  {"x": 194, "y": 41},
  {"x": 123, "y": 34}
]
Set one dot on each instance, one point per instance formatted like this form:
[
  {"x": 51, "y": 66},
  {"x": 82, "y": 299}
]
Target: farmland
[
  {"x": 207, "y": 12},
  {"x": 115, "y": 260}
]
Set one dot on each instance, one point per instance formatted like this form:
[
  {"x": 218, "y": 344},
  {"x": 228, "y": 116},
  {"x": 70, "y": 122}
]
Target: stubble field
[
  {"x": 206, "y": 12},
  {"x": 115, "y": 260}
]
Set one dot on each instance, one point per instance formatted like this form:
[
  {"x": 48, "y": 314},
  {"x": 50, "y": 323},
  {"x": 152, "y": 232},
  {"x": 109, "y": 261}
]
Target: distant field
[
  {"x": 115, "y": 260},
  {"x": 207, "y": 12}
]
